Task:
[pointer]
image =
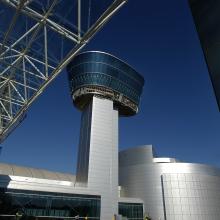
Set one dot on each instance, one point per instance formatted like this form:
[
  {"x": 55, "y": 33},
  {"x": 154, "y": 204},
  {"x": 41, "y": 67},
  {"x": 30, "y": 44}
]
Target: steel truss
[{"x": 28, "y": 62}]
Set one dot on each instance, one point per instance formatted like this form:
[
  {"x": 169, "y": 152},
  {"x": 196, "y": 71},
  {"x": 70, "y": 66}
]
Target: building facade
[
  {"x": 171, "y": 190},
  {"x": 51, "y": 195},
  {"x": 103, "y": 88},
  {"x": 133, "y": 184}
]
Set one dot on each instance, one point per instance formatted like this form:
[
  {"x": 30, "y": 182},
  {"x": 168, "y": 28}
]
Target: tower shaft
[
  {"x": 97, "y": 166},
  {"x": 100, "y": 83}
]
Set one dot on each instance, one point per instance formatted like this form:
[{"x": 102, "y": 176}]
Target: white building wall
[
  {"x": 170, "y": 191},
  {"x": 102, "y": 152}
]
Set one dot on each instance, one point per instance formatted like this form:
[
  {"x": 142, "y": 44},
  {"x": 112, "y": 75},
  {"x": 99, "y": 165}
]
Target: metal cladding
[
  {"x": 97, "y": 166},
  {"x": 171, "y": 190},
  {"x": 207, "y": 20},
  {"x": 100, "y": 74}
]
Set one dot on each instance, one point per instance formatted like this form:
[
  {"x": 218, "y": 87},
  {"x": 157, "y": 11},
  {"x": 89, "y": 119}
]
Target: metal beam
[
  {"x": 53, "y": 25},
  {"x": 25, "y": 59},
  {"x": 12, "y": 24}
]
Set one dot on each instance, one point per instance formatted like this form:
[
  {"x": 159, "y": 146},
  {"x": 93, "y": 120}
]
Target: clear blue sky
[{"x": 178, "y": 112}]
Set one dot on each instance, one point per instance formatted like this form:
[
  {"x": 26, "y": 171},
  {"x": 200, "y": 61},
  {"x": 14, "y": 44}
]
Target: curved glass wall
[{"x": 104, "y": 70}]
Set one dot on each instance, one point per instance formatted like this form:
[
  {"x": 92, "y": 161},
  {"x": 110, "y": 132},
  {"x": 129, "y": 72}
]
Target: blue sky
[{"x": 178, "y": 112}]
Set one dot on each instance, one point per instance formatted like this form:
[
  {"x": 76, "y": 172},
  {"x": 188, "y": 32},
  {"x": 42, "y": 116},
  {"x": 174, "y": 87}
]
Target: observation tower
[
  {"x": 105, "y": 76},
  {"x": 103, "y": 87}
]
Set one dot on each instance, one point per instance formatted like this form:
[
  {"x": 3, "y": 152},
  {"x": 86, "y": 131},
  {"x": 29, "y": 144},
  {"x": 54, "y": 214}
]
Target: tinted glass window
[
  {"x": 48, "y": 204},
  {"x": 132, "y": 211}
]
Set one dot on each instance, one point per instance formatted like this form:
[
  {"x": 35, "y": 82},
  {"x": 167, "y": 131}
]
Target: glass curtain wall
[
  {"x": 97, "y": 68},
  {"x": 132, "y": 211},
  {"x": 32, "y": 203}
]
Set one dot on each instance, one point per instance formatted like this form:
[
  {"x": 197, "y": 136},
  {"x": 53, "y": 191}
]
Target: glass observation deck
[
  {"x": 37, "y": 40},
  {"x": 101, "y": 74}
]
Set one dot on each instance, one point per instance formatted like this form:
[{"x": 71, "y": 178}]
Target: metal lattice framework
[{"x": 37, "y": 40}]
